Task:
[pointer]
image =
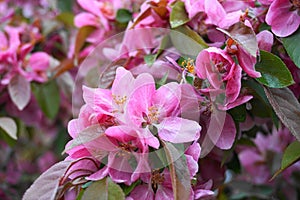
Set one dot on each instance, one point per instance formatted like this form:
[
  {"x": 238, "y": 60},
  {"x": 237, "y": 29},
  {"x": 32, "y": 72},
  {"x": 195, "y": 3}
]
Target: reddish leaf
[
  {"x": 9, "y": 126},
  {"x": 244, "y": 36},
  {"x": 81, "y": 36},
  {"x": 19, "y": 91},
  {"x": 45, "y": 186},
  {"x": 287, "y": 108}
]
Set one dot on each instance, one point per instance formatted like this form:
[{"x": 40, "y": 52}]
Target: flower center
[
  {"x": 295, "y": 3},
  {"x": 189, "y": 65},
  {"x": 119, "y": 100},
  {"x": 156, "y": 179},
  {"x": 126, "y": 149},
  {"x": 153, "y": 114}
]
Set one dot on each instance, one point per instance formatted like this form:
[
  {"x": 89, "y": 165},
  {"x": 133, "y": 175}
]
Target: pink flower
[
  {"x": 154, "y": 112},
  {"x": 283, "y": 17},
  {"x": 223, "y": 74},
  {"x": 216, "y": 14}
]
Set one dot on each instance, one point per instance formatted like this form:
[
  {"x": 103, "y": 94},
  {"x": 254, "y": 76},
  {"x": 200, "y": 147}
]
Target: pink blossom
[
  {"x": 223, "y": 75},
  {"x": 283, "y": 17},
  {"x": 149, "y": 108},
  {"x": 216, "y": 14}
]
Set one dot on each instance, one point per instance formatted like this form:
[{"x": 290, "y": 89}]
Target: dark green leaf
[
  {"x": 128, "y": 189},
  {"x": 290, "y": 156},
  {"x": 287, "y": 108},
  {"x": 274, "y": 72},
  {"x": 178, "y": 15},
  {"x": 123, "y": 16},
  {"x": 104, "y": 189},
  {"x": 48, "y": 98},
  {"x": 238, "y": 113},
  {"x": 187, "y": 41},
  {"x": 291, "y": 45},
  {"x": 65, "y": 5},
  {"x": 189, "y": 80}
]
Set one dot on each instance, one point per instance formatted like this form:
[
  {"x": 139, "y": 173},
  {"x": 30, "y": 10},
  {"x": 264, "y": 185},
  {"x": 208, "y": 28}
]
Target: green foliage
[
  {"x": 178, "y": 15},
  {"x": 187, "y": 41},
  {"x": 48, "y": 98},
  {"x": 290, "y": 156},
  {"x": 291, "y": 45},
  {"x": 104, "y": 189},
  {"x": 274, "y": 72},
  {"x": 123, "y": 16}
]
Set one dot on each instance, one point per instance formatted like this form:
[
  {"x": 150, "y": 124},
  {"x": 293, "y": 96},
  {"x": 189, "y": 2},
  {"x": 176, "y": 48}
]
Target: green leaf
[
  {"x": 238, "y": 113},
  {"x": 128, "y": 189},
  {"x": 287, "y": 108},
  {"x": 150, "y": 59},
  {"x": 48, "y": 98},
  {"x": 104, "y": 189},
  {"x": 123, "y": 16},
  {"x": 274, "y": 72},
  {"x": 189, "y": 80},
  {"x": 187, "y": 41},
  {"x": 290, "y": 156},
  {"x": 67, "y": 18},
  {"x": 65, "y": 5},
  {"x": 291, "y": 45},
  {"x": 162, "y": 81},
  {"x": 178, "y": 15},
  {"x": 179, "y": 172}
]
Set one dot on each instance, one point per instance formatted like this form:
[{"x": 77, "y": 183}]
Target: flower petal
[{"x": 178, "y": 130}]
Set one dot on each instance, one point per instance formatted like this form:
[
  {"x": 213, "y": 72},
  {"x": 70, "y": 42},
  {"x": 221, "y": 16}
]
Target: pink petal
[
  {"x": 282, "y": 21},
  {"x": 233, "y": 85},
  {"x": 89, "y": 5},
  {"x": 168, "y": 97},
  {"x": 98, "y": 175},
  {"x": 122, "y": 133},
  {"x": 140, "y": 100},
  {"x": 193, "y": 7},
  {"x": 39, "y": 61},
  {"x": 123, "y": 83},
  {"x": 215, "y": 11},
  {"x": 178, "y": 130},
  {"x": 247, "y": 62},
  {"x": 86, "y": 19},
  {"x": 164, "y": 193},
  {"x": 142, "y": 192},
  {"x": 194, "y": 150},
  {"x": 265, "y": 40},
  {"x": 228, "y": 134},
  {"x": 99, "y": 99},
  {"x": 147, "y": 138}
]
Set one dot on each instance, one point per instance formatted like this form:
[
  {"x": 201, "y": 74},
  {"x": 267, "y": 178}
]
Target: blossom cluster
[{"x": 171, "y": 99}]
